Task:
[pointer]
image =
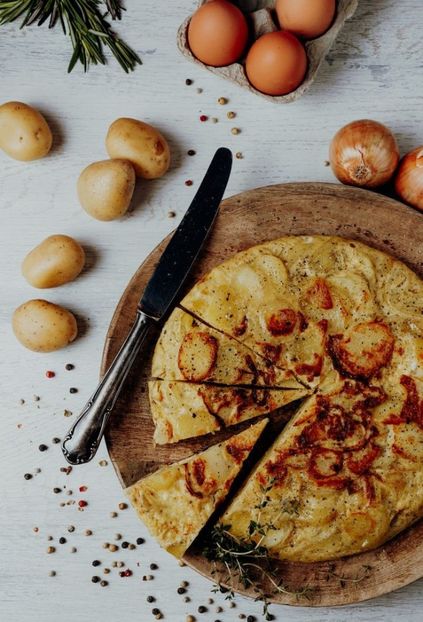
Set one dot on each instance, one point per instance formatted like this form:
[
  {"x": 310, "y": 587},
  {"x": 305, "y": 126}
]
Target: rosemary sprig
[
  {"x": 83, "y": 21},
  {"x": 247, "y": 563}
]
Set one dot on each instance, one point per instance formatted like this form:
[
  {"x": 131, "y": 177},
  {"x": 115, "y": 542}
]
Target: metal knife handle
[{"x": 82, "y": 441}]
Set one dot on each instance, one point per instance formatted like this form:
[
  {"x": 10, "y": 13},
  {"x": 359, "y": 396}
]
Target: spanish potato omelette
[{"x": 344, "y": 322}]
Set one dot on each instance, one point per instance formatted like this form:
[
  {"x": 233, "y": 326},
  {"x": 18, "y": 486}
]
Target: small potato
[
  {"x": 105, "y": 188},
  {"x": 56, "y": 261},
  {"x": 24, "y": 133},
  {"x": 141, "y": 144},
  {"x": 42, "y": 326}
]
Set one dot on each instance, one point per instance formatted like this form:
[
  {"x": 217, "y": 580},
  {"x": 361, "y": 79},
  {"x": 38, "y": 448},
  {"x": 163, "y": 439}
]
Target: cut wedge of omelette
[
  {"x": 182, "y": 410},
  {"x": 190, "y": 350},
  {"x": 343, "y": 321},
  {"x": 176, "y": 501}
]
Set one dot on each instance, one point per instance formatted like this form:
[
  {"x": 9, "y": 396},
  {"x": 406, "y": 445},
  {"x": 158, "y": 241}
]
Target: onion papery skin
[
  {"x": 409, "y": 178},
  {"x": 364, "y": 153}
]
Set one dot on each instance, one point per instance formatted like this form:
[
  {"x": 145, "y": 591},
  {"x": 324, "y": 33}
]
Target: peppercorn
[
  {"x": 51, "y": 549},
  {"x": 125, "y": 544},
  {"x": 50, "y": 374},
  {"x": 42, "y": 447},
  {"x": 118, "y": 536},
  {"x": 82, "y": 503},
  {"x": 62, "y": 540},
  {"x": 190, "y": 619},
  {"x": 55, "y": 440},
  {"x": 184, "y": 583},
  {"x": 188, "y": 82},
  {"x": 181, "y": 590},
  {"x": 71, "y": 528},
  {"x": 113, "y": 514},
  {"x": 96, "y": 562},
  {"x": 203, "y": 118},
  {"x": 69, "y": 366},
  {"x": 106, "y": 571},
  {"x": 187, "y": 599},
  {"x": 251, "y": 619},
  {"x": 73, "y": 390},
  {"x": 104, "y": 583},
  {"x": 57, "y": 490},
  {"x": 151, "y": 599},
  {"x": 242, "y": 616},
  {"x": 113, "y": 548},
  {"x": 210, "y": 601},
  {"x": 103, "y": 463},
  {"x": 28, "y": 476},
  {"x": 73, "y": 549},
  {"x": 191, "y": 152},
  {"x": 132, "y": 547},
  {"x": 222, "y": 101},
  {"x": 154, "y": 567},
  {"x": 155, "y": 611},
  {"x": 239, "y": 155},
  {"x": 189, "y": 182},
  {"x": 126, "y": 573},
  {"x": 232, "y": 605},
  {"x": 235, "y": 130},
  {"x": 171, "y": 214},
  {"x": 140, "y": 540},
  {"x": 231, "y": 114},
  {"x": 202, "y": 609},
  {"x": 120, "y": 564},
  {"x": 88, "y": 532},
  {"x": 52, "y": 573},
  {"x": 95, "y": 579},
  {"x": 219, "y": 609}
]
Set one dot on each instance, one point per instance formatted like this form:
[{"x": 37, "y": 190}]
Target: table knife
[{"x": 81, "y": 442}]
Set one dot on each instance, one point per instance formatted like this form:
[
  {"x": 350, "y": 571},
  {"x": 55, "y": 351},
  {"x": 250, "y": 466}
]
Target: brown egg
[
  {"x": 218, "y": 33},
  {"x": 306, "y": 18},
  {"x": 276, "y": 63}
]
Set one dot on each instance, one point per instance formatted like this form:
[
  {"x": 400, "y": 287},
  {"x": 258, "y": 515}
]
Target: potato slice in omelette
[
  {"x": 183, "y": 410},
  {"x": 176, "y": 501},
  {"x": 190, "y": 350}
]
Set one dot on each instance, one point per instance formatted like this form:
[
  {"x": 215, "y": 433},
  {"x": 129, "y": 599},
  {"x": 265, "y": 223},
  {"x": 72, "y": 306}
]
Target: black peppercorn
[
  {"x": 73, "y": 390},
  {"x": 69, "y": 366},
  {"x": 140, "y": 540},
  {"x": 202, "y": 609},
  {"x": 57, "y": 490},
  {"x": 28, "y": 476},
  {"x": 153, "y": 566},
  {"x": 55, "y": 440},
  {"x": 181, "y": 590},
  {"x": 125, "y": 544},
  {"x": 62, "y": 540},
  {"x": 150, "y": 599},
  {"x": 95, "y": 579},
  {"x": 42, "y": 447},
  {"x": 188, "y": 82},
  {"x": 251, "y": 619},
  {"x": 96, "y": 562},
  {"x": 155, "y": 611}
]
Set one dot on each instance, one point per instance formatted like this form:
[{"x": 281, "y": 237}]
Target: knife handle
[{"x": 81, "y": 442}]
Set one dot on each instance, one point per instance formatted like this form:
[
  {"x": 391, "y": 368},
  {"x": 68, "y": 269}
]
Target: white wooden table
[{"x": 373, "y": 71}]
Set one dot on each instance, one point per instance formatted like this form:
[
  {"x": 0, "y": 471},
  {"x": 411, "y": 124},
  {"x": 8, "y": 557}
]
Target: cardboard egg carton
[{"x": 260, "y": 16}]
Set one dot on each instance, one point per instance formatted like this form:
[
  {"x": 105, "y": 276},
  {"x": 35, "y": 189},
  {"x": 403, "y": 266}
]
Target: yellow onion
[
  {"x": 364, "y": 153},
  {"x": 409, "y": 179}
]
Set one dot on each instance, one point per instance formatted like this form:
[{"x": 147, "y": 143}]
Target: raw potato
[
  {"x": 42, "y": 326},
  {"x": 141, "y": 144},
  {"x": 105, "y": 188},
  {"x": 56, "y": 261},
  {"x": 24, "y": 133}
]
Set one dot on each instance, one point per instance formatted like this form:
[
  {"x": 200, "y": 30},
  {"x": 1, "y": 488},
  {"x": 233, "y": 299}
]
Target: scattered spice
[
  {"x": 21, "y": 402},
  {"x": 49, "y": 538},
  {"x": 62, "y": 540},
  {"x": 71, "y": 528},
  {"x": 188, "y": 82},
  {"x": 88, "y": 532},
  {"x": 123, "y": 506},
  {"x": 232, "y": 604},
  {"x": 242, "y": 616},
  {"x": 69, "y": 366},
  {"x": 203, "y": 118},
  {"x": 52, "y": 573},
  {"x": 66, "y": 470},
  {"x": 95, "y": 579},
  {"x": 140, "y": 540},
  {"x": 118, "y": 536},
  {"x": 96, "y": 562},
  {"x": 190, "y": 619},
  {"x": 37, "y": 471},
  {"x": 113, "y": 548},
  {"x": 199, "y": 91},
  {"x": 35, "y": 529},
  {"x": 50, "y": 374},
  {"x": 67, "y": 413},
  {"x": 189, "y": 182},
  {"x": 231, "y": 114},
  {"x": 171, "y": 214},
  {"x": 214, "y": 119},
  {"x": 222, "y": 101},
  {"x": 132, "y": 547},
  {"x": 82, "y": 503},
  {"x": 251, "y": 619},
  {"x": 210, "y": 601},
  {"x": 154, "y": 567},
  {"x": 235, "y": 131},
  {"x": 82, "y": 488},
  {"x": 73, "y": 549},
  {"x": 28, "y": 476},
  {"x": 73, "y": 390},
  {"x": 57, "y": 490},
  {"x": 104, "y": 583},
  {"x": 103, "y": 463},
  {"x": 126, "y": 573},
  {"x": 42, "y": 447},
  {"x": 187, "y": 599},
  {"x": 36, "y": 398},
  {"x": 120, "y": 564},
  {"x": 239, "y": 155},
  {"x": 181, "y": 590},
  {"x": 55, "y": 440},
  {"x": 191, "y": 152},
  {"x": 155, "y": 611},
  {"x": 202, "y": 609},
  {"x": 184, "y": 584},
  {"x": 106, "y": 571},
  {"x": 51, "y": 549},
  {"x": 219, "y": 609}
]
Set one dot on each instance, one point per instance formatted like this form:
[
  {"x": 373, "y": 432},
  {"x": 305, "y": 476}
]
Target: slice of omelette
[
  {"x": 344, "y": 476},
  {"x": 190, "y": 350},
  {"x": 183, "y": 410},
  {"x": 176, "y": 501}
]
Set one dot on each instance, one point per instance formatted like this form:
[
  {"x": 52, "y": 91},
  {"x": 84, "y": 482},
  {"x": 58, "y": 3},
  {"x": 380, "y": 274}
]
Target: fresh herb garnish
[{"x": 84, "y": 21}]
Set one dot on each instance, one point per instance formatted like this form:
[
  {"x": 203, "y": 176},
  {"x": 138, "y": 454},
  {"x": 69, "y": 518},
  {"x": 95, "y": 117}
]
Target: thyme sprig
[
  {"x": 84, "y": 21},
  {"x": 240, "y": 561}
]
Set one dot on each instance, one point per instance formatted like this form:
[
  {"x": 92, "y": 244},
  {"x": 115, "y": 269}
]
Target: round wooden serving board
[{"x": 246, "y": 219}]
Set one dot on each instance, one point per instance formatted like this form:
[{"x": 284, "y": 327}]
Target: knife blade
[
  {"x": 177, "y": 259},
  {"x": 81, "y": 442}
]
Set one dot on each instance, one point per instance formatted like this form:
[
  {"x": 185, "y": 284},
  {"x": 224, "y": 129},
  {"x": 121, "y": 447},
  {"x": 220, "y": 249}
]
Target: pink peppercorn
[
  {"x": 203, "y": 118},
  {"x": 82, "y": 503},
  {"x": 50, "y": 374}
]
